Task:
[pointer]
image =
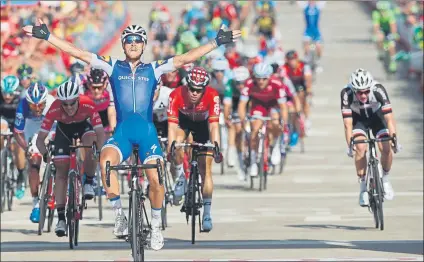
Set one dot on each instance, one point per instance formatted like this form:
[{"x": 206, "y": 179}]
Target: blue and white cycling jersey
[
  {"x": 26, "y": 122},
  {"x": 29, "y": 124},
  {"x": 312, "y": 13},
  {"x": 133, "y": 93}
]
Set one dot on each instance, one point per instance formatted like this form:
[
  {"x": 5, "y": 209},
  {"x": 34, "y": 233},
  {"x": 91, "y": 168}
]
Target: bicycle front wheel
[
  {"x": 44, "y": 199},
  {"x": 137, "y": 242},
  {"x": 379, "y": 196},
  {"x": 10, "y": 186},
  {"x": 71, "y": 211}
]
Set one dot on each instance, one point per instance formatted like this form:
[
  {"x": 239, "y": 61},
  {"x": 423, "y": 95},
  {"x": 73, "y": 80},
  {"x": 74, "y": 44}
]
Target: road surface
[{"x": 311, "y": 211}]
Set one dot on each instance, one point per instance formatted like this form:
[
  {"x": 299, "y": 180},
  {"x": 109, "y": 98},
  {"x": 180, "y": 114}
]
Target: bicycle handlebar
[
  {"x": 93, "y": 147},
  {"x": 158, "y": 166},
  {"x": 214, "y": 147},
  {"x": 373, "y": 140}
]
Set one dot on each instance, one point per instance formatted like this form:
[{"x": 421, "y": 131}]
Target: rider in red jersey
[
  {"x": 300, "y": 75},
  {"x": 268, "y": 96},
  {"x": 98, "y": 90},
  {"x": 71, "y": 111},
  {"x": 194, "y": 108}
]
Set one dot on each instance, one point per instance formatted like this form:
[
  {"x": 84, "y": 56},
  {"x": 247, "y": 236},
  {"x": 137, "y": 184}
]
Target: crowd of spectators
[{"x": 70, "y": 20}]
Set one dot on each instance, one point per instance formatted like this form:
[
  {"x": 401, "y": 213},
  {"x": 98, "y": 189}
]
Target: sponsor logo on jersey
[
  {"x": 18, "y": 119},
  {"x": 106, "y": 59},
  {"x": 139, "y": 78},
  {"x": 161, "y": 62},
  {"x": 345, "y": 99}
]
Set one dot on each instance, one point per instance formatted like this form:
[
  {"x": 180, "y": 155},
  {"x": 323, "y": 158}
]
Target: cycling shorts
[
  {"x": 161, "y": 128},
  {"x": 64, "y": 135},
  {"x": 376, "y": 123},
  {"x": 199, "y": 129},
  {"x": 314, "y": 36},
  {"x": 262, "y": 111},
  {"x": 135, "y": 130}
]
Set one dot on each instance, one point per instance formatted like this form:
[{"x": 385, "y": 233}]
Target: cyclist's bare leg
[
  {"x": 156, "y": 191},
  {"x": 318, "y": 46},
  {"x": 255, "y": 124},
  {"x": 386, "y": 155},
  {"x": 205, "y": 169},
  {"x": 274, "y": 127},
  {"x": 3, "y": 128},
  {"x": 306, "y": 43},
  {"x": 304, "y": 102},
  {"x": 380, "y": 40},
  {"x": 33, "y": 174},
  {"x": 179, "y": 152},
  {"x": 19, "y": 160},
  {"x": 87, "y": 153},
  {"x": 61, "y": 181},
  {"x": 113, "y": 156},
  {"x": 360, "y": 156},
  {"x": 238, "y": 136}
]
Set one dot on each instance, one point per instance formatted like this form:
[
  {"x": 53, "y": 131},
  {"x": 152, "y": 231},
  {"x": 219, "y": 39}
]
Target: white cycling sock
[
  {"x": 156, "y": 216},
  {"x": 207, "y": 204},
  {"x": 35, "y": 202},
  {"x": 116, "y": 204}
]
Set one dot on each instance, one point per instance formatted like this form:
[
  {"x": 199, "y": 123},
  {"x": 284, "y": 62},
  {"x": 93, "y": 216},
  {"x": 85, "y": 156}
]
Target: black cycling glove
[
  {"x": 45, "y": 155},
  {"x": 224, "y": 37},
  {"x": 41, "y": 32}
]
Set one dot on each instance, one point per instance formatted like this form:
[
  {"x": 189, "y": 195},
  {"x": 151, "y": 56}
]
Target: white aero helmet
[
  {"x": 68, "y": 90},
  {"x": 262, "y": 70},
  {"x": 361, "y": 80},
  {"x": 241, "y": 73},
  {"x": 220, "y": 64},
  {"x": 134, "y": 30}
]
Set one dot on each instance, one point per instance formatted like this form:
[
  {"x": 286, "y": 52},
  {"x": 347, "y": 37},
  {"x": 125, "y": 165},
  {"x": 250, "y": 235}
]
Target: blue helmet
[
  {"x": 9, "y": 84},
  {"x": 36, "y": 93}
]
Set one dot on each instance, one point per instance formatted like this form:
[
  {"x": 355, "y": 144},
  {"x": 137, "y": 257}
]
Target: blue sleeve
[{"x": 21, "y": 114}]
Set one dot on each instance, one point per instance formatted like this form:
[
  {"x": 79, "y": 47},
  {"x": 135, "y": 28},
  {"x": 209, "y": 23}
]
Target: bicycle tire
[
  {"x": 71, "y": 211},
  {"x": 137, "y": 244},
  {"x": 100, "y": 193},
  {"x": 122, "y": 183},
  {"x": 10, "y": 189},
  {"x": 379, "y": 197},
  {"x": 262, "y": 166},
  {"x": 44, "y": 199},
  {"x": 193, "y": 208},
  {"x": 3, "y": 192},
  {"x": 50, "y": 220},
  {"x": 163, "y": 214},
  {"x": 373, "y": 203}
]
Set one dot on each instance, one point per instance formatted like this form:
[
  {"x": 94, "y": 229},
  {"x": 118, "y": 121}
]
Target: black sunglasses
[
  {"x": 366, "y": 92},
  {"x": 133, "y": 38},
  {"x": 69, "y": 104},
  {"x": 195, "y": 90}
]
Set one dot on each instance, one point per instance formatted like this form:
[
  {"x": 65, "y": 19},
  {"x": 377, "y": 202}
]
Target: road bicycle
[
  {"x": 374, "y": 178},
  {"x": 137, "y": 231},
  {"x": 193, "y": 200},
  {"x": 8, "y": 173},
  {"x": 47, "y": 199}
]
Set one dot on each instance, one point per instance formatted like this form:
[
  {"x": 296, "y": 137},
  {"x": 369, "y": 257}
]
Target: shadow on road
[
  {"x": 232, "y": 187},
  {"x": 22, "y": 231},
  {"x": 414, "y": 247},
  {"x": 340, "y": 227}
]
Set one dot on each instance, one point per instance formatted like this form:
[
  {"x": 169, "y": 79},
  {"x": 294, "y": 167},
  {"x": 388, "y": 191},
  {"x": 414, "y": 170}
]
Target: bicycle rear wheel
[
  {"x": 3, "y": 192},
  {"x": 44, "y": 199},
  {"x": 100, "y": 194},
  {"x": 163, "y": 214}
]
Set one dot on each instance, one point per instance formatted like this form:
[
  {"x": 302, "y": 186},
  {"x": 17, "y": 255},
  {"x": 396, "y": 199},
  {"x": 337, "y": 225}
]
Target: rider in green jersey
[{"x": 384, "y": 22}]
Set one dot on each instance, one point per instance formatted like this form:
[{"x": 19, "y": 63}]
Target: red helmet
[{"x": 198, "y": 76}]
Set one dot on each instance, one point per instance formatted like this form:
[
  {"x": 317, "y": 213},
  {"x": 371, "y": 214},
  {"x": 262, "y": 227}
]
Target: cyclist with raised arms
[
  {"x": 29, "y": 116},
  {"x": 365, "y": 105},
  {"x": 133, "y": 84}
]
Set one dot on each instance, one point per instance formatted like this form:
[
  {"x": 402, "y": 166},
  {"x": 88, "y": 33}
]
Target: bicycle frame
[
  {"x": 74, "y": 175},
  {"x": 263, "y": 145}
]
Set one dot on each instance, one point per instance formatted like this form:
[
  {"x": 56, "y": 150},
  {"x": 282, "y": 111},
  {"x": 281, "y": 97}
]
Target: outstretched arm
[
  {"x": 223, "y": 37},
  {"x": 63, "y": 45}
]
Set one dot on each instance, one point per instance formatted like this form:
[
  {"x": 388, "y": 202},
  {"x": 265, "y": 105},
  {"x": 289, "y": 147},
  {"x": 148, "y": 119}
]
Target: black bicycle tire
[
  {"x": 10, "y": 191},
  {"x": 134, "y": 227},
  {"x": 50, "y": 220},
  {"x": 44, "y": 199},
  {"x": 163, "y": 214},
  {"x": 100, "y": 193},
  {"x": 222, "y": 168},
  {"x": 71, "y": 211},
  {"x": 380, "y": 197},
  {"x": 373, "y": 203},
  {"x": 122, "y": 183},
  {"x": 193, "y": 207},
  {"x": 76, "y": 234},
  {"x": 141, "y": 236},
  {"x": 3, "y": 192},
  {"x": 261, "y": 166}
]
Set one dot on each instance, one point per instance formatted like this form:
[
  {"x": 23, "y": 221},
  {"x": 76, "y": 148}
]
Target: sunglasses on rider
[
  {"x": 366, "y": 92},
  {"x": 195, "y": 90},
  {"x": 69, "y": 104},
  {"x": 97, "y": 86},
  {"x": 37, "y": 107},
  {"x": 133, "y": 38}
]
